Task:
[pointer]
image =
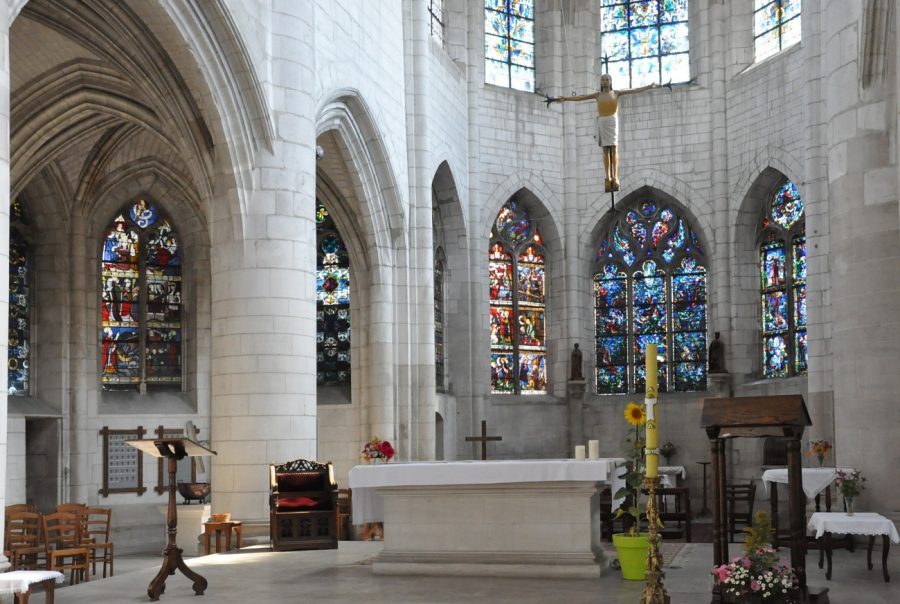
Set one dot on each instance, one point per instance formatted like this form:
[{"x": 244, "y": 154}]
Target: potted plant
[
  {"x": 820, "y": 448},
  {"x": 632, "y": 546},
  {"x": 759, "y": 575},
  {"x": 851, "y": 485},
  {"x": 668, "y": 450}
]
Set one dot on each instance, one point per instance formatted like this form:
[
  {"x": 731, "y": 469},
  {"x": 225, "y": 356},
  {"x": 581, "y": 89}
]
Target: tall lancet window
[
  {"x": 645, "y": 41},
  {"x": 650, "y": 286},
  {"x": 509, "y": 43},
  {"x": 18, "y": 357},
  {"x": 516, "y": 263},
  {"x": 332, "y": 303},
  {"x": 776, "y": 25},
  {"x": 782, "y": 270},
  {"x": 141, "y": 301},
  {"x": 439, "y": 368}
]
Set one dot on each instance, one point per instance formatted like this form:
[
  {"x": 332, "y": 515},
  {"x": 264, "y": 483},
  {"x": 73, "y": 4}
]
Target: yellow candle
[{"x": 652, "y": 421}]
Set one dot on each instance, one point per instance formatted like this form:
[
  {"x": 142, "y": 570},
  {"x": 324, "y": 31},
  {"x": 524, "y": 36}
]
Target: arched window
[
  {"x": 332, "y": 303},
  {"x": 776, "y": 25},
  {"x": 19, "y": 376},
  {"x": 645, "y": 41},
  {"x": 509, "y": 43},
  {"x": 517, "y": 304},
  {"x": 782, "y": 270},
  {"x": 650, "y": 286},
  {"x": 141, "y": 300},
  {"x": 439, "y": 368}
]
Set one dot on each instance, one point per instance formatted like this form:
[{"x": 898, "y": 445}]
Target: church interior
[{"x": 445, "y": 233}]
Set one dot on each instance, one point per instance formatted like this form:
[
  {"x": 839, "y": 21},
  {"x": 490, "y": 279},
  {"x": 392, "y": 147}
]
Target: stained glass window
[
  {"x": 439, "y": 318},
  {"x": 332, "y": 303},
  {"x": 509, "y": 43},
  {"x": 645, "y": 41},
  {"x": 776, "y": 26},
  {"x": 516, "y": 265},
  {"x": 141, "y": 301},
  {"x": 782, "y": 270},
  {"x": 18, "y": 357},
  {"x": 650, "y": 287},
  {"x": 436, "y": 19}
]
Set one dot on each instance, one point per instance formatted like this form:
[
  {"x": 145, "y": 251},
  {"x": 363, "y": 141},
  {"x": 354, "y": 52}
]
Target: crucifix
[{"x": 483, "y": 439}]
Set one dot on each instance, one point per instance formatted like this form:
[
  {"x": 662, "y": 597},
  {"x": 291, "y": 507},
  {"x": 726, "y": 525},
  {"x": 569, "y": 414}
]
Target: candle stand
[{"x": 654, "y": 591}]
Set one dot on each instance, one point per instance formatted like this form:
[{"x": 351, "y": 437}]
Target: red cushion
[
  {"x": 297, "y": 503},
  {"x": 300, "y": 481}
]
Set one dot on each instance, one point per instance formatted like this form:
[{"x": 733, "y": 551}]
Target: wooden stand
[{"x": 174, "y": 449}]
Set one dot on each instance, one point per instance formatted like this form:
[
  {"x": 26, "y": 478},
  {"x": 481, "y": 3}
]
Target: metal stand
[{"x": 654, "y": 592}]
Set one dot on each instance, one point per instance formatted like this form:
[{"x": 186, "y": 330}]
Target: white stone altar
[{"x": 529, "y": 518}]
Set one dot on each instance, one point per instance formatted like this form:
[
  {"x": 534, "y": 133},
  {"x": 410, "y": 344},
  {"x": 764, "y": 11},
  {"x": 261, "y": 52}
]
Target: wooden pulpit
[
  {"x": 755, "y": 417},
  {"x": 174, "y": 449}
]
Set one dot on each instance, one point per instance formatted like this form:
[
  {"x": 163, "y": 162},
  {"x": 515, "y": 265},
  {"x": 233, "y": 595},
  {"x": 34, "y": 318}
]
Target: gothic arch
[{"x": 514, "y": 183}]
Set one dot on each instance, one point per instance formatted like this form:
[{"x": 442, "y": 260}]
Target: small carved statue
[
  {"x": 575, "y": 372},
  {"x": 717, "y": 356}
]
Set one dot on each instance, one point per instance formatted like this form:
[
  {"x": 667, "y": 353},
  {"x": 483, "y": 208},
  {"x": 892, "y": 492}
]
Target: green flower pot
[{"x": 632, "y": 555}]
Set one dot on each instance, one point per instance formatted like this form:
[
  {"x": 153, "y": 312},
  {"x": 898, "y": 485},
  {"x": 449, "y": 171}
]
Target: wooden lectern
[{"x": 174, "y": 449}]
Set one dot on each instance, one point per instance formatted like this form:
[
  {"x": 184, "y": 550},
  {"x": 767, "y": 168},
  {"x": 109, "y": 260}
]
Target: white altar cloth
[
  {"x": 365, "y": 479},
  {"x": 815, "y": 480},
  {"x": 861, "y": 523},
  {"x": 19, "y": 581}
]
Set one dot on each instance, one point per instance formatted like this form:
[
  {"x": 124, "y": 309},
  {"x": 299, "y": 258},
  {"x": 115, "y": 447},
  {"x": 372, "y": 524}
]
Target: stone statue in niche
[
  {"x": 575, "y": 372},
  {"x": 717, "y": 356}
]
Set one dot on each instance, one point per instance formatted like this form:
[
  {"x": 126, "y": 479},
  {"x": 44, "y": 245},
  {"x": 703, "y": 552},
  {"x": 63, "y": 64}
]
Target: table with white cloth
[
  {"x": 824, "y": 524},
  {"x": 19, "y": 582},
  {"x": 815, "y": 482},
  {"x": 491, "y": 518}
]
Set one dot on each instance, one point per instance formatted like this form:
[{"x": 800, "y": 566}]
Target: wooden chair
[
  {"x": 22, "y": 541},
  {"x": 302, "y": 506},
  {"x": 61, "y": 537},
  {"x": 740, "y": 496},
  {"x": 70, "y": 508},
  {"x": 20, "y": 507},
  {"x": 93, "y": 524},
  {"x": 674, "y": 505},
  {"x": 345, "y": 515}
]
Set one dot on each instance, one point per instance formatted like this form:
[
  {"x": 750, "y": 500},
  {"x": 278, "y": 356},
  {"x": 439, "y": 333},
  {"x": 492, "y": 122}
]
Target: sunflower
[{"x": 634, "y": 414}]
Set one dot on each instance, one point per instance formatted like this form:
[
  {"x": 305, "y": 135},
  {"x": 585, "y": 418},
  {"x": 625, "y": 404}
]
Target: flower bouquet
[
  {"x": 820, "y": 448},
  {"x": 850, "y": 484},
  {"x": 377, "y": 450},
  {"x": 667, "y": 450},
  {"x": 759, "y": 575}
]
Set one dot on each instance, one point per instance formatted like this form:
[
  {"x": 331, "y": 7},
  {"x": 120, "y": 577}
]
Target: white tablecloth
[
  {"x": 861, "y": 523},
  {"x": 815, "y": 480},
  {"x": 18, "y": 581},
  {"x": 668, "y": 475},
  {"x": 365, "y": 479}
]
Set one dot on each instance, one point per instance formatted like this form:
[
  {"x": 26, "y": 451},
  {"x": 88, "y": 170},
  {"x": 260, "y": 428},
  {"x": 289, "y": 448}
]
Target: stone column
[
  {"x": 865, "y": 258},
  {"x": 5, "y": 18},
  {"x": 263, "y": 406}
]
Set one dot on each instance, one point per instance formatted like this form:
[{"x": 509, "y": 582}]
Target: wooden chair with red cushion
[{"x": 303, "y": 506}]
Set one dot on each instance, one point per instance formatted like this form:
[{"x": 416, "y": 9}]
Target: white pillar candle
[
  {"x": 579, "y": 453},
  {"x": 593, "y": 449}
]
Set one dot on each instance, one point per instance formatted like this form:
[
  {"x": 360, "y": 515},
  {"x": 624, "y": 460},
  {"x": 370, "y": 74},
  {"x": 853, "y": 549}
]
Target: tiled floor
[{"x": 259, "y": 576}]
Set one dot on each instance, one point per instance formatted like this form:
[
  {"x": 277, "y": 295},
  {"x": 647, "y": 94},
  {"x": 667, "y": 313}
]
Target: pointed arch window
[
  {"x": 782, "y": 270},
  {"x": 645, "y": 41},
  {"x": 509, "y": 43},
  {"x": 141, "y": 301},
  {"x": 650, "y": 287},
  {"x": 332, "y": 303},
  {"x": 776, "y": 26},
  {"x": 439, "y": 368},
  {"x": 18, "y": 353},
  {"x": 516, "y": 262}
]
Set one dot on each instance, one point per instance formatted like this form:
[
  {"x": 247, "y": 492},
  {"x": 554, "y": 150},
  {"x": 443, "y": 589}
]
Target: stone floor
[{"x": 260, "y": 576}]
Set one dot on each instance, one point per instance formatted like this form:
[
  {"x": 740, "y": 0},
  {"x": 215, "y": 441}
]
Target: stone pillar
[
  {"x": 5, "y": 21},
  {"x": 865, "y": 258},
  {"x": 263, "y": 406}
]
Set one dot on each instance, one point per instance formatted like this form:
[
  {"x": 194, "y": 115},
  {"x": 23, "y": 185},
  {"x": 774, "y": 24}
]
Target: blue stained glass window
[
  {"x": 782, "y": 271},
  {"x": 18, "y": 354},
  {"x": 509, "y": 43},
  {"x": 645, "y": 41},
  {"x": 332, "y": 303},
  {"x": 141, "y": 301},
  {"x": 660, "y": 299},
  {"x": 776, "y": 26},
  {"x": 517, "y": 296}
]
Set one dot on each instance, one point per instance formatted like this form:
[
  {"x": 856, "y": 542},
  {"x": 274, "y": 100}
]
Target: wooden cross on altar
[{"x": 483, "y": 439}]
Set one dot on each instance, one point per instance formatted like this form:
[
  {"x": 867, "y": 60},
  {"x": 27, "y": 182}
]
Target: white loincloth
[{"x": 608, "y": 130}]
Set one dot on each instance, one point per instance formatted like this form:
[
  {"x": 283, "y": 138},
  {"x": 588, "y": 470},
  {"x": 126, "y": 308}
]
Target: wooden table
[
  {"x": 868, "y": 524},
  {"x": 218, "y": 528},
  {"x": 19, "y": 582}
]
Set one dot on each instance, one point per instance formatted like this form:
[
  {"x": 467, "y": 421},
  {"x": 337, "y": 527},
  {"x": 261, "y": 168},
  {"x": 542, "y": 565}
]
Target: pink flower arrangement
[
  {"x": 757, "y": 576},
  {"x": 377, "y": 449}
]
